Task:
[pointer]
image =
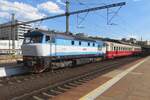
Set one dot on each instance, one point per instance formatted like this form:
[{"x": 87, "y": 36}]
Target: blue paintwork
[
  {"x": 62, "y": 40},
  {"x": 76, "y": 43},
  {"x": 77, "y": 53},
  {"x": 67, "y": 41}
]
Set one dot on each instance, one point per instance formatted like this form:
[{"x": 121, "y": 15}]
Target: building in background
[
  {"x": 15, "y": 32},
  {"x": 6, "y": 45},
  {"x": 144, "y": 43},
  {"x": 11, "y": 38}
]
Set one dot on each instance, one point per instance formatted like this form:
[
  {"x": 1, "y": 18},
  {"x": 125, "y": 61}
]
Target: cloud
[
  {"x": 132, "y": 36},
  {"x": 51, "y": 7},
  {"x": 4, "y": 15},
  {"x": 60, "y": 2},
  {"x": 21, "y": 10},
  {"x": 25, "y": 12}
]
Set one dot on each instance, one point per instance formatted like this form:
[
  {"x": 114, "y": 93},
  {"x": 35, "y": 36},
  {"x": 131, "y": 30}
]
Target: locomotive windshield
[{"x": 33, "y": 39}]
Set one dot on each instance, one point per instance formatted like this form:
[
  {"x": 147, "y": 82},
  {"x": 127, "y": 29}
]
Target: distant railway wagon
[
  {"x": 118, "y": 50},
  {"x": 42, "y": 47}
]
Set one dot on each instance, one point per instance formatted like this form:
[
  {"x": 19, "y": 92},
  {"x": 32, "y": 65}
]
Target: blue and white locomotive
[{"x": 46, "y": 49}]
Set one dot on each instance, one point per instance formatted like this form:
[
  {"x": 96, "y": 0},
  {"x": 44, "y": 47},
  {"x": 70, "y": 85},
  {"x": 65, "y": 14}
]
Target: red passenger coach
[{"x": 114, "y": 49}]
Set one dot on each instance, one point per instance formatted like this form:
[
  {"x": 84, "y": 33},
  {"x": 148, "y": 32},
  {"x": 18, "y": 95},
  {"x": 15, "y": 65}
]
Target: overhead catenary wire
[
  {"x": 86, "y": 5},
  {"x": 82, "y": 19},
  {"x": 108, "y": 21},
  {"x": 71, "y": 13},
  {"x": 115, "y": 13}
]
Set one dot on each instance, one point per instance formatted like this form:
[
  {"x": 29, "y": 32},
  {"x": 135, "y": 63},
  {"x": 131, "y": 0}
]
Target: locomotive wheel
[
  {"x": 38, "y": 68},
  {"x": 41, "y": 66}
]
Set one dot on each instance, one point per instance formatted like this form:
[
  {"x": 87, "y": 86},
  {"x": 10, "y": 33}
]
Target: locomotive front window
[
  {"x": 33, "y": 39},
  {"x": 27, "y": 40},
  {"x": 36, "y": 39}
]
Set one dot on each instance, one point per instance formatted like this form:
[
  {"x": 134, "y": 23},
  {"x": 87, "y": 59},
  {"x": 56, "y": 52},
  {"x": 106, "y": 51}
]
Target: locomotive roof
[{"x": 58, "y": 34}]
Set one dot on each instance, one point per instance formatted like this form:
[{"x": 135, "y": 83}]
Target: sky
[{"x": 132, "y": 20}]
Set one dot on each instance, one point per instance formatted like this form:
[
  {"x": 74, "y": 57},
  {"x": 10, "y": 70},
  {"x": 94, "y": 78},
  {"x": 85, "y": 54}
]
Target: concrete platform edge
[{"x": 101, "y": 89}]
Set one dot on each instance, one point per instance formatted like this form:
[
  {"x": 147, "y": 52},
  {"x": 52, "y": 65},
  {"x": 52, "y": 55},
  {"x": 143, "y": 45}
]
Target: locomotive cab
[
  {"x": 35, "y": 49},
  {"x": 33, "y": 38}
]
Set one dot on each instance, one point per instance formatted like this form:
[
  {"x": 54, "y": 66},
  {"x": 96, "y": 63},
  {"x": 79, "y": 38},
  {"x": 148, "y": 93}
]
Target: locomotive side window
[
  {"x": 47, "y": 38},
  {"x": 50, "y": 40},
  {"x": 72, "y": 42},
  {"x": 88, "y": 43},
  {"x": 99, "y": 47},
  {"x": 93, "y": 44},
  {"x": 79, "y": 42}
]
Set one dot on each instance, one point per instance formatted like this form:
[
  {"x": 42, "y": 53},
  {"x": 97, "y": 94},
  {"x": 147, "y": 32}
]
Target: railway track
[{"x": 54, "y": 83}]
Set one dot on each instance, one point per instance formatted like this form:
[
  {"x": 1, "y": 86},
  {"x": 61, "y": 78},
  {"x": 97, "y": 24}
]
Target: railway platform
[
  {"x": 129, "y": 82},
  {"x": 12, "y": 70}
]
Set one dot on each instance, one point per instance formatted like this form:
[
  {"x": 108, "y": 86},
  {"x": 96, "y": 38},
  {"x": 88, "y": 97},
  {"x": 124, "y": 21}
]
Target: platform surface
[
  {"x": 131, "y": 82},
  {"x": 134, "y": 86}
]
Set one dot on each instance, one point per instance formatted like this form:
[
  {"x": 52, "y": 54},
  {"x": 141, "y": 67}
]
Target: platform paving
[{"x": 133, "y": 86}]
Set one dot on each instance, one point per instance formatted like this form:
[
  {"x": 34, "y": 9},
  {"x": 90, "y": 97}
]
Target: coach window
[
  {"x": 99, "y": 47},
  {"x": 112, "y": 48},
  {"x": 47, "y": 38},
  {"x": 72, "y": 42},
  {"x": 79, "y": 42}
]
